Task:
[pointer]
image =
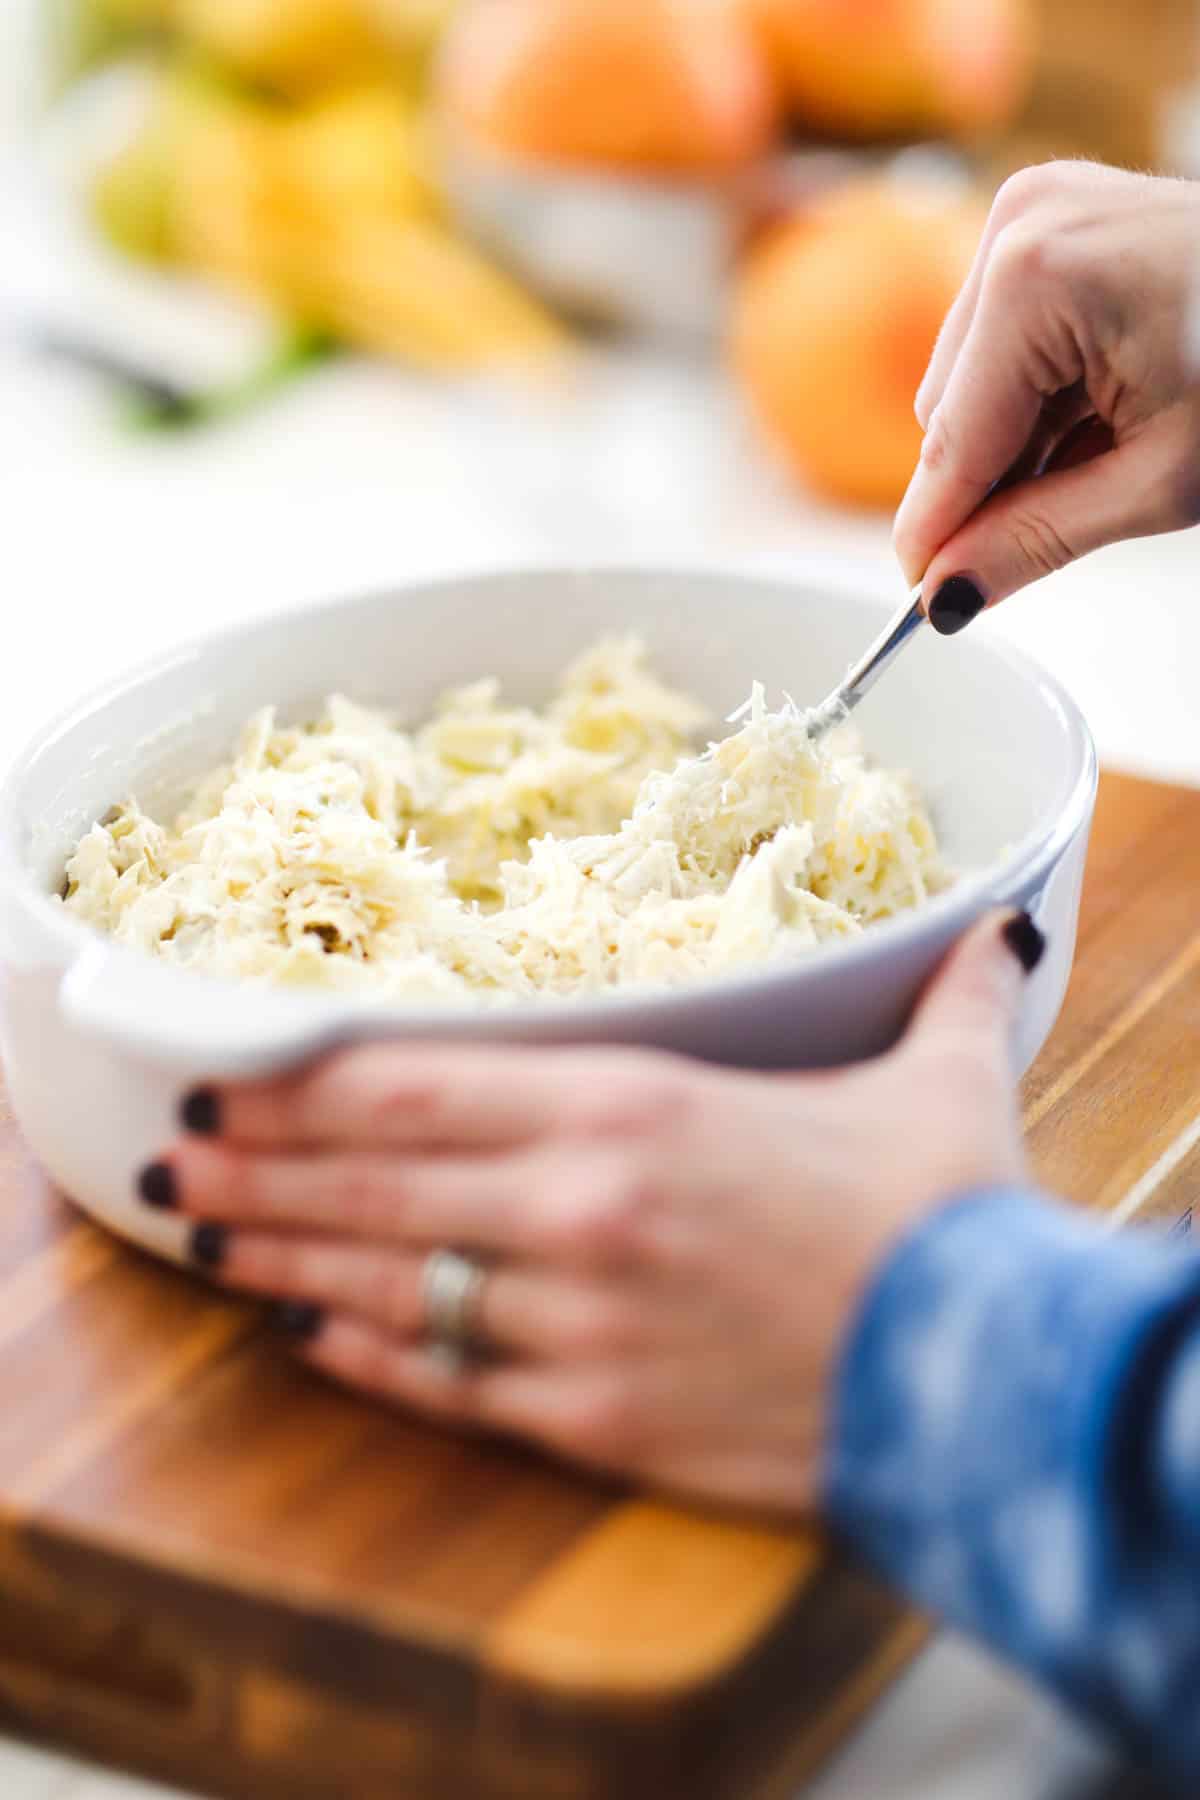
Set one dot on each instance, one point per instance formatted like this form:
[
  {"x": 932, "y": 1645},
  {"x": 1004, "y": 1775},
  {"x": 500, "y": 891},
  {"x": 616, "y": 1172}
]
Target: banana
[
  {"x": 132, "y": 198},
  {"x": 301, "y": 46},
  {"x": 409, "y": 288},
  {"x": 82, "y": 33},
  {"x": 328, "y": 210}
]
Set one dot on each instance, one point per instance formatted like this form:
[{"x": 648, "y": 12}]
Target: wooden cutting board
[{"x": 218, "y": 1570}]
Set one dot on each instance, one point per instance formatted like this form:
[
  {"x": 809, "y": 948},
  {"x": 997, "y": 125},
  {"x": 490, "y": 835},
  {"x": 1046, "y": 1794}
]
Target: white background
[{"x": 114, "y": 547}]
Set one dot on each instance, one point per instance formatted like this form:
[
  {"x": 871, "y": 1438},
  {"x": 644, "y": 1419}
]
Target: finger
[
  {"x": 1136, "y": 490},
  {"x": 546, "y": 1315},
  {"x": 396, "y": 1096},
  {"x": 955, "y": 329},
  {"x": 1017, "y": 199},
  {"x": 433, "y": 1097},
  {"x": 516, "y": 1203},
  {"x": 583, "y": 1413},
  {"x": 591, "y": 1206},
  {"x": 987, "y": 416},
  {"x": 948, "y": 347},
  {"x": 527, "y": 1311},
  {"x": 1065, "y": 433},
  {"x": 506, "y": 1396},
  {"x": 975, "y": 995},
  {"x": 374, "y": 1282}
]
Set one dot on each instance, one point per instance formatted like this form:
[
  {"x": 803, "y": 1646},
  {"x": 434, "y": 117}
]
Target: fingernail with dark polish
[
  {"x": 157, "y": 1187},
  {"x": 956, "y": 603},
  {"x": 208, "y": 1245},
  {"x": 1026, "y": 942},
  {"x": 200, "y": 1112},
  {"x": 297, "y": 1320}
]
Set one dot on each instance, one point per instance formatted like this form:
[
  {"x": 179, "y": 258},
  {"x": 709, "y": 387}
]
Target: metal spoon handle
[
  {"x": 887, "y": 646},
  {"x": 863, "y": 675},
  {"x": 861, "y": 678}
]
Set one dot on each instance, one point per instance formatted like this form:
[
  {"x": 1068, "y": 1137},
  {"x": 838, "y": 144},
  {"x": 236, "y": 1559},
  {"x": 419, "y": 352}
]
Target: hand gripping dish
[{"x": 100, "y": 1041}]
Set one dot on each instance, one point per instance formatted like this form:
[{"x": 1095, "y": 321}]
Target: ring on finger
[{"x": 452, "y": 1291}]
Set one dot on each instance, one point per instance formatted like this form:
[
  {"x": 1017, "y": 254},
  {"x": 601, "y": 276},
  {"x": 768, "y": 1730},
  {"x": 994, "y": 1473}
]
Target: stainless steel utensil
[{"x": 861, "y": 677}]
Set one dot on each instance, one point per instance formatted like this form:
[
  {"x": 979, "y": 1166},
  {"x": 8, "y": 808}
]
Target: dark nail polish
[
  {"x": 156, "y": 1187},
  {"x": 956, "y": 603},
  {"x": 200, "y": 1112},
  {"x": 297, "y": 1320},
  {"x": 209, "y": 1244},
  {"x": 1026, "y": 942}
]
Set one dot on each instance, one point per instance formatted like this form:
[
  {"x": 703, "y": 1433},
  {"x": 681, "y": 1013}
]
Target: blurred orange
[
  {"x": 871, "y": 68},
  {"x": 835, "y": 317},
  {"x": 679, "y": 86}
]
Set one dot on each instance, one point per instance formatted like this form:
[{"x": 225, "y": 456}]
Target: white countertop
[{"x": 115, "y": 547}]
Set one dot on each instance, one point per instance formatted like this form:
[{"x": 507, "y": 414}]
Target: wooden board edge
[
  {"x": 836, "y": 1645},
  {"x": 581, "y": 1630}
]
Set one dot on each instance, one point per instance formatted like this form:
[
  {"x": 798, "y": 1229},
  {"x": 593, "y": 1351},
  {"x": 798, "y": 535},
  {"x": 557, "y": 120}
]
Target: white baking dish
[{"x": 100, "y": 1042}]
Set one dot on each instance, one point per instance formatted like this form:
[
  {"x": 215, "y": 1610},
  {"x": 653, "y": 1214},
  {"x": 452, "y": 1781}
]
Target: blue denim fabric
[{"x": 1016, "y": 1443}]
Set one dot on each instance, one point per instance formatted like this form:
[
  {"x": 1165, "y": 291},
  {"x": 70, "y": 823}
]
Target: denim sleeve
[{"x": 1016, "y": 1443}]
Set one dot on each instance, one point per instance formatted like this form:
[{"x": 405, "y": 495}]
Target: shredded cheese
[{"x": 497, "y": 851}]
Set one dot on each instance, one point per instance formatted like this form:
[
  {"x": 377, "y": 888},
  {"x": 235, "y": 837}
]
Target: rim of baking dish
[{"x": 1010, "y": 879}]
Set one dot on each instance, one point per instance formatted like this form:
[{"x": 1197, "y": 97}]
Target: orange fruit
[
  {"x": 835, "y": 317},
  {"x": 870, "y": 68},
  {"x": 677, "y": 86}
]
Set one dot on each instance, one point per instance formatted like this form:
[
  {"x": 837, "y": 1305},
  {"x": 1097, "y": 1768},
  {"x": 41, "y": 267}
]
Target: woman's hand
[
  {"x": 673, "y": 1251},
  {"x": 1065, "y": 355}
]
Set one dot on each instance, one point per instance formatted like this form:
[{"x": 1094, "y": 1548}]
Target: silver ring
[{"x": 451, "y": 1286}]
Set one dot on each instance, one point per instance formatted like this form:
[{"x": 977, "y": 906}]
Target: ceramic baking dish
[{"x": 100, "y": 1041}]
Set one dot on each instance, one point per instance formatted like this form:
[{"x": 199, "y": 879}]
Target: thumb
[
  {"x": 977, "y": 991},
  {"x": 1042, "y": 524}
]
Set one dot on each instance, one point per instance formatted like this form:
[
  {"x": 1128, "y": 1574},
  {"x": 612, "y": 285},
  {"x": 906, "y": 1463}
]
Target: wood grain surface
[{"x": 218, "y": 1570}]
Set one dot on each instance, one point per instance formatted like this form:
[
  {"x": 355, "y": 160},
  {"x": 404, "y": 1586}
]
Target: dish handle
[{"x": 195, "y": 1028}]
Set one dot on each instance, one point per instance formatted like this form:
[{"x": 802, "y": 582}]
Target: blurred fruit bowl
[
  {"x": 625, "y": 251},
  {"x": 327, "y": 209},
  {"x": 610, "y": 251},
  {"x": 439, "y": 180},
  {"x": 617, "y": 153}
]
